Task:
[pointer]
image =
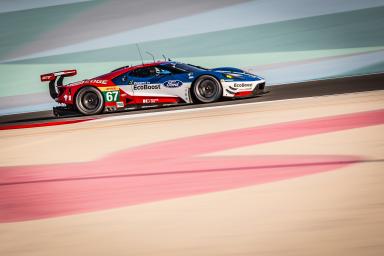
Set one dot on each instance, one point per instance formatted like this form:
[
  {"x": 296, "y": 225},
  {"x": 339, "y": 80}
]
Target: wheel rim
[
  {"x": 206, "y": 89},
  {"x": 90, "y": 101}
]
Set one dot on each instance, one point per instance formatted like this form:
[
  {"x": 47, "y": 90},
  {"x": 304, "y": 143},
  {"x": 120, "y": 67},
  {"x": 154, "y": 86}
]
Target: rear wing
[
  {"x": 54, "y": 87},
  {"x": 54, "y": 75}
]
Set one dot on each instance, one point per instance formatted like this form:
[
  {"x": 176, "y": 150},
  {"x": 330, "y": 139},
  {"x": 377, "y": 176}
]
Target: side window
[
  {"x": 143, "y": 72},
  {"x": 121, "y": 79},
  {"x": 171, "y": 69}
]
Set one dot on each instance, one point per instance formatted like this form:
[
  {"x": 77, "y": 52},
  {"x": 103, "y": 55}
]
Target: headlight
[{"x": 232, "y": 75}]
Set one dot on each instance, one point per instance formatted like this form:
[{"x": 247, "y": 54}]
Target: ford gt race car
[{"x": 157, "y": 83}]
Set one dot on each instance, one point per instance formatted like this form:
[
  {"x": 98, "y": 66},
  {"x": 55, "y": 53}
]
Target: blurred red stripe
[
  {"x": 22, "y": 126},
  {"x": 168, "y": 170}
]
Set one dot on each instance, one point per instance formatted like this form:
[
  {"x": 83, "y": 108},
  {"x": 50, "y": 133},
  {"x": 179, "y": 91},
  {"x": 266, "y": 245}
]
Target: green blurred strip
[
  {"x": 28, "y": 82},
  {"x": 376, "y": 68},
  {"x": 19, "y": 28},
  {"x": 355, "y": 29}
]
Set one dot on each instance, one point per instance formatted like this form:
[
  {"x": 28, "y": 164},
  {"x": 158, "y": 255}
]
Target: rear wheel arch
[{"x": 80, "y": 105}]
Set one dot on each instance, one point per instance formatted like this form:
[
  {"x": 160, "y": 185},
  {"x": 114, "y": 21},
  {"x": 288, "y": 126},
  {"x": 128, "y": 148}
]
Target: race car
[{"x": 157, "y": 83}]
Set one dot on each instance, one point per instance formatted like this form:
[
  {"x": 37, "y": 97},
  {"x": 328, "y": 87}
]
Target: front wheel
[
  {"x": 206, "y": 89},
  {"x": 89, "y": 101}
]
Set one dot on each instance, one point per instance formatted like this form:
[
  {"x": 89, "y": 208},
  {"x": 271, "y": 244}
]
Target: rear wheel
[
  {"x": 207, "y": 89},
  {"x": 89, "y": 101}
]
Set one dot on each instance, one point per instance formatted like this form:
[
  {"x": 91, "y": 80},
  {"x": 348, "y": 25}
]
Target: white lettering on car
[
  {"x": 241, "y": 85},
  {"x": 96, "y": 81},
  {"x": 146, "y": 87},
  {"x": 150, "y": 100}
]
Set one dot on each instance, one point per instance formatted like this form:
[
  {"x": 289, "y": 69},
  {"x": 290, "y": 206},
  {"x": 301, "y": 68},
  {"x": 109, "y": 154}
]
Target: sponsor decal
[
  {"x": 47, "y": 77},
  {"x": 109, "y": 88},
  {"x": 120, "y": 104},
  {"x": 76, "y": 83},
  {"x": 143, "y": 82},
  {"x": 138, "y": 87},
  {"x": 173, "y": 83},
  {"x": 150, "y": 100},
  {"x": 96, "y": 81},
  {"x": 242, "y": 85}
]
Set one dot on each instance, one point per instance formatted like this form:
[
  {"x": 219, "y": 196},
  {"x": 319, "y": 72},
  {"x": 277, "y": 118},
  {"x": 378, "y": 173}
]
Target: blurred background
[{"x": 284, "y": 41}]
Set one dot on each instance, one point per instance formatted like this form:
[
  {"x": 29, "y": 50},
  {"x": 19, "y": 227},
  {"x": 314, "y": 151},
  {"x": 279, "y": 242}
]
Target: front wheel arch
[{"x": 198, "y": 79}]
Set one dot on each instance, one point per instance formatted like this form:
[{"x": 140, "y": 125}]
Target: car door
[
  {"x": 143, "y": 82},
  {"x": 173, "y": 84},
  {"x": 153, "y": 82}
]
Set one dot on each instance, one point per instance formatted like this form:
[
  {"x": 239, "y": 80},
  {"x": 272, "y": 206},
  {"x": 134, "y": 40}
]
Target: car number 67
[{"x": 111, "y": 96}]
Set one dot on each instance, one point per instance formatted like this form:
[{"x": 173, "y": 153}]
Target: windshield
[{"x": 188, "y": 67}]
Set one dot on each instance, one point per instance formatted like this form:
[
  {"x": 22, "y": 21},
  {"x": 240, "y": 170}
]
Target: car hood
[
  {"x": 244, "y": 74},
  {"x": 228, "y": 69}
]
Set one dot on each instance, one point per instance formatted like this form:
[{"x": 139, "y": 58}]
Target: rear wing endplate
[{"x": 54, "y": 86}]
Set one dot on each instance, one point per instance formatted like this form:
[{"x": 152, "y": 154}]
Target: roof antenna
[
  {"x": 138, "y": 49},
  {"x": 153, "y": 57}
]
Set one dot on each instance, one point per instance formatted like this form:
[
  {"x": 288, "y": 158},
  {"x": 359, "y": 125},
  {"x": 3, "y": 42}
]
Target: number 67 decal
[{"x": 112, "y": 96}]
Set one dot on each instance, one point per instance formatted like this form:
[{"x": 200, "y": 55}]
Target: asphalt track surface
[
  {"x": 291, "y": 177},
  {"x": 277, "y": 92}
]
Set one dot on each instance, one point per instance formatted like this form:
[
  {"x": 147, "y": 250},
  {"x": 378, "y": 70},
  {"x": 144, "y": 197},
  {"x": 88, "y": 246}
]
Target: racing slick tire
[
  {"x": 206, "y": 89},
  {"x": 89, "y": 101}
]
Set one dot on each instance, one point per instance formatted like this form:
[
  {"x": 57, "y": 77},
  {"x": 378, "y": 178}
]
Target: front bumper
[
  {"x": 259, "y": 89},
  {"x": 242, "y": 89}
]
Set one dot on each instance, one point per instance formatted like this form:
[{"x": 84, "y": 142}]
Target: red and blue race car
[{"x": 157, "y": 83}]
